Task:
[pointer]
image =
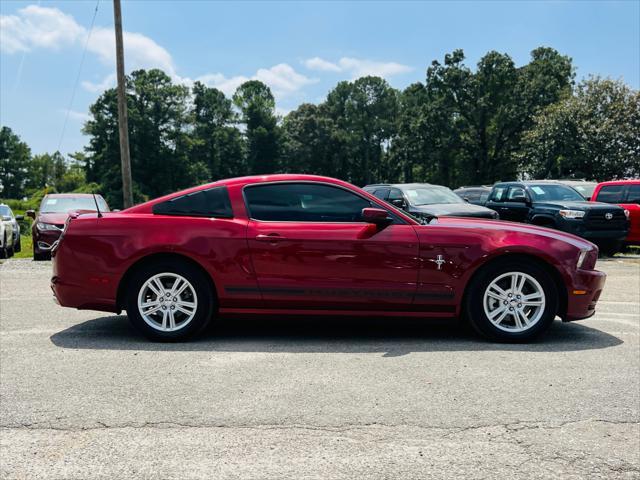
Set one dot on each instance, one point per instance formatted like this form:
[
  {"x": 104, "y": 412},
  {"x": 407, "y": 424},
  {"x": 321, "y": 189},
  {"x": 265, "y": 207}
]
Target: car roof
[
  {"x": 635, "y": 181},
  {"x": 404, "y": 185},
  {"x": 71, "y": 195}
]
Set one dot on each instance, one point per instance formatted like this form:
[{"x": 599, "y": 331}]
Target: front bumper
[
  {"x": 577, "y": 227},
  {"x": 583, "y": 294},
  {"x": 43, "y": 241}
]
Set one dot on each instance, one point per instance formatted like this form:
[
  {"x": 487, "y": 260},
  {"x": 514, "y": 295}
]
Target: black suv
[
  {"x": 426, "y": 200},
  {"x": 552, "y": 204}
]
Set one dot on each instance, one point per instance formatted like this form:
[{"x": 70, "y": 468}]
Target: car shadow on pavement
[{"x": 388, "y": 336}]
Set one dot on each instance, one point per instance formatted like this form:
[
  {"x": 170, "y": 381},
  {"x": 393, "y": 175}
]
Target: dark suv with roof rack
[{"x": 555, "y": 205}]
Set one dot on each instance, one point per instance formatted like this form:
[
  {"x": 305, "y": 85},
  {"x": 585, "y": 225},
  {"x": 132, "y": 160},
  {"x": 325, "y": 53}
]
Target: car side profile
[
  {"x": 625, "y": 194},
  {"x": 309, "y": 245},
  {"x": 552, "y": 204},
  {"x": 52, "y": 214}
]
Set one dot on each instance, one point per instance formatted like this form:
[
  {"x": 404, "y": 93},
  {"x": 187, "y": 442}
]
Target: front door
[{"x": 311, "y": 249}]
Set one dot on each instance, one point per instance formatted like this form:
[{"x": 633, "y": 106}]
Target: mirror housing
[
  {"x": 19, "y": 217},
  {"x": 377, "y": 216},
  {"x": 31, "y": 214},
  {"x": 398, "y": 202}
]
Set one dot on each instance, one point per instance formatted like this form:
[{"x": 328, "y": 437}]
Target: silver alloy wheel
[
  {"x": 514, "y": 302},
  {"x": 167, "y": 302}
]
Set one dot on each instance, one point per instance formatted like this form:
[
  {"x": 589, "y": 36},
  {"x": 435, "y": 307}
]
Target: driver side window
[
  {"x": 515, "y": 192},
  {"x": 304, "y": 202}
]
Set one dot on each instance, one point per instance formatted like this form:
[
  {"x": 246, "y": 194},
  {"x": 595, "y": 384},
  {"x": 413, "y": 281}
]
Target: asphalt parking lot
[{"x": 84, "y": 396}]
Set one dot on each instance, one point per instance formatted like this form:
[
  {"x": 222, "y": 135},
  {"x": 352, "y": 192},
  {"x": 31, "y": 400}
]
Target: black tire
[
  {"x": 39, "y": 257},
  {"x": 10, "y": 251},
  {"x": 18, "y": 245},
  {"x": 205, "y": 300},
  {"x": 4, "y": 251},
  {"x": 474, "y": 310}
]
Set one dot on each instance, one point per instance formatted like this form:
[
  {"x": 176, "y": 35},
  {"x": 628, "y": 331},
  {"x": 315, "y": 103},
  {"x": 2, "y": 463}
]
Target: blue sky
[{"x": 301, "y": 49}]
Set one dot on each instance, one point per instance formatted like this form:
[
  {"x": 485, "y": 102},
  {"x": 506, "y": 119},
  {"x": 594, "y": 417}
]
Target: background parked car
[
  {"x": 54, "y": 210},
  {"x": 6, "y": 232},
  {"x": 626, "y": 194},
  {"x": 5, "y": 211},
  {"x": 425, "y": 200},
  {"x": 583, "y": 187},
  {"x": 555, "y": 205},
  {"x": 477, "y": 195}
]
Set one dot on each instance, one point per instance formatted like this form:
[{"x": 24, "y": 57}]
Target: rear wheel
[
  {"x": 169, "y": 301},
  {"x": 512, "y": 301},
  {"x": 18, "y": 246}
]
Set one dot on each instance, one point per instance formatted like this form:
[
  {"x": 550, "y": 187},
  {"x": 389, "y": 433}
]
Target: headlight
[
  {"x": 46, "y": 226},
  {"x": 572, "y": 213},
  {"x": 582, "y": 256}
]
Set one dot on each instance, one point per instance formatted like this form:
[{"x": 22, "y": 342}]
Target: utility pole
[{"x": 123, "y": 122}]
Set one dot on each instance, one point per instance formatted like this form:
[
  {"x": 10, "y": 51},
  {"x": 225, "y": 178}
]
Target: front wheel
[
  {"x": 18, "y": 246},
  {"x": 512, "y": 301},
  {"x": 169, "y": 301}
]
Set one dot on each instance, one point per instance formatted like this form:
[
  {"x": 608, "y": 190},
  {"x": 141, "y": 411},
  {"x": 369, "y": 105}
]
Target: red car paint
[
  {"x": 313, "y": 268},
  {"x": 629, "y": 199}
]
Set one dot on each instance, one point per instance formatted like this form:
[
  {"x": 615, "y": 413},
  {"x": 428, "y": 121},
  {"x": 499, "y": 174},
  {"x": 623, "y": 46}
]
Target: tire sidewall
[
  {"x": 474, "y": 302},
  {"x": 199, "y": 282}
]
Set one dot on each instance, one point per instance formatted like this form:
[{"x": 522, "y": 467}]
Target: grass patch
[{"x": 27, "y": 247}]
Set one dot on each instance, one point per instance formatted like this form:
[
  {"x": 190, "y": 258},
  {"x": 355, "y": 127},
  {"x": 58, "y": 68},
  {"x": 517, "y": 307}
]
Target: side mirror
[
  {"x": 398, "y": 202},
  {"x": 31, "y": 214},
  {"x": 466, "y": 199},
  {"x": 377, "y": 216},
  {"x": 19, "y": 217}
]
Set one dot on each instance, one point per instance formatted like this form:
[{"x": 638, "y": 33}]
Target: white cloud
[
  {"x": 282, "y": 79},
  {"x": 357, "y": 67},
  {"x": 42, "y": 27},
  {"x": 38, "y": 27},
  {"x": 75, "y": 115},
  {"x": 317, "y": 63},
  {"x": 107, "y": 82},
  {"x": 141, "y": 51}
]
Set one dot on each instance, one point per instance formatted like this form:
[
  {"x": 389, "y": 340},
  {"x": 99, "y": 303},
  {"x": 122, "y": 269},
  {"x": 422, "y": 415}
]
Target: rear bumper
[
  {"x": 75, "y": 284},
  {"x": 584, "y": 293}
]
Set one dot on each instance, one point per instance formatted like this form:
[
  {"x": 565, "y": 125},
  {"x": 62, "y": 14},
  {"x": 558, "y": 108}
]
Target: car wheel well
[
  {"x": 514, "y": 257},
  {"x": 155, "y": 257}
]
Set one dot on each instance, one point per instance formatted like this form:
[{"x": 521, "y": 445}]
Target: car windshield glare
[
  {"x": 585, "y": 190},
  {"x": 555, "y": 192},
  {"x": 5, "y": 211},
  {"x": 432, "y": 196},
  {"x": 68, "y": 204}
]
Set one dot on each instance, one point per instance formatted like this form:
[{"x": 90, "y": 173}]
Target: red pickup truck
[{"x": 625, "y": 193}]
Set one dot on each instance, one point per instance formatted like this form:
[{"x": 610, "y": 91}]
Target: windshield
[
  {"x": 586, "y": 189},
  {"x": 431, "y": 196},
  {"x": 5, "y": 211},
  {"x": 68, "y": 204},
  {"x": 542, "y": 193}
]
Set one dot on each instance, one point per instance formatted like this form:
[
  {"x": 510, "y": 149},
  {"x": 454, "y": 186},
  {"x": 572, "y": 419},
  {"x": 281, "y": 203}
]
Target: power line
[{"x": 75, "y": 87}]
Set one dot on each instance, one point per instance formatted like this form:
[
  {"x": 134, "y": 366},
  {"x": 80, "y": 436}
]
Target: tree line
[{"x": 460, "y": 126}]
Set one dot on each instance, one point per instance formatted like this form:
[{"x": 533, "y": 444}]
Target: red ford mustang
[{"x": 302, "y": 244}]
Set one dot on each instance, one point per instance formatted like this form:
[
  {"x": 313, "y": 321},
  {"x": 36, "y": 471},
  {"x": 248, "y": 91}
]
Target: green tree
[
  {"x": 158, "y": 136},
  {"x": 257, "y": 109},
  {"x": 364, "y": 112},
  {"x": 215, "y": 141},
  {"x": 15, "y": 156},
  {"x": 592, "y": 134}
]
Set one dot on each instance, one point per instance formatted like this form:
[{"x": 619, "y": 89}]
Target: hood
[
  {"x": 55, "y": 218},
  {"x": 481, "y": 224},
  {"x": 578, "y": 205},
  {"x": 454, "y": 210}
]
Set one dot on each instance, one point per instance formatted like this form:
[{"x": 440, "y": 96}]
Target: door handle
[{"x": 272, "y": 238}]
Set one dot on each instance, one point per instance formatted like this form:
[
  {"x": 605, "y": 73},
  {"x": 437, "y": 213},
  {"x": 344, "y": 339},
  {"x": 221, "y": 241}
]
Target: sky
[{"x": 300, "y": 49}]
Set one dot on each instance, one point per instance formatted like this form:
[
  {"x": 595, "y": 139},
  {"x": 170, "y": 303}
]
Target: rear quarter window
[
  {"x": 213, "y": 202},
  {"x": 633, "y": 194},
  {"x": 611, "y": 194}
]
